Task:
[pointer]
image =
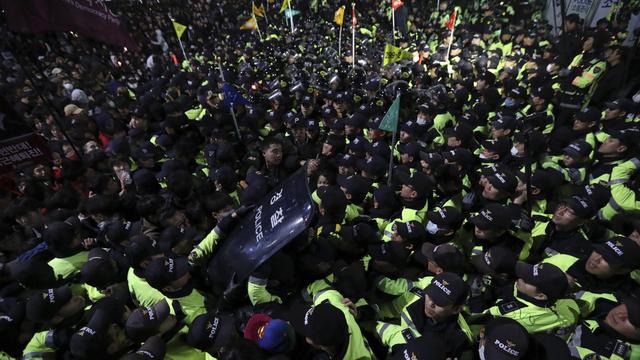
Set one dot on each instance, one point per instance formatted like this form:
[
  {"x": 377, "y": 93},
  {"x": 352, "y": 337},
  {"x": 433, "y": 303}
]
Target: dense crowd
[{"x": 507, "y": 228}]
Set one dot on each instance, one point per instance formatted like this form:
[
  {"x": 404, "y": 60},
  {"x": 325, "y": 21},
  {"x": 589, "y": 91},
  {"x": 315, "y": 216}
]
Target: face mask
[
  {"x": 481, "y": 352},
  {"x": 509, "y": 102},
  {"x": 483, "y": 157},
  {"x": 636, "y": 98},
  {"x": 68, "y": 86},
  {"x": 432, "y": 228},
  {"x": 421, "y": 121},
  {"x": 549, "y": 68},
  {"x": 514, "y": 151}
]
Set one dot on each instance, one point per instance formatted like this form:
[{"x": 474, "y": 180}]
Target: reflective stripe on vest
[{"x": 383, "y": 328}]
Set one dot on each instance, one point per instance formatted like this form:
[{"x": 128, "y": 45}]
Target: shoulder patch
[
  {"x": 510, "y": 306},
  {"x": 407, "y": 335},
  {"x": 416, "y": 290},
  {"x": 621, "y": 349}
]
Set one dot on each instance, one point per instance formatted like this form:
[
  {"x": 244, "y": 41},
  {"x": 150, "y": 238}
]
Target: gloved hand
[
  {"x": 225, "y": 225},
  {"x": 194, "y": 258},
  {"x": 243, "y": 210}
]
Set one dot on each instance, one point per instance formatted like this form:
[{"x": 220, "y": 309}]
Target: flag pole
[
  {"x": 555, "y": 20},
  {"x": 293, "y": 29},
  {"x": 340, "y": 40},
  {"x": 393, "y": 23},
  {"x": 353, "y": 36},
  {"x": 253, "y": 14},
  {"x": 182, "y": 48},
  {"x": 449, "y": 47},
  {"x": 393, "y": 145},
  {"x": 266, "y": 6},
  {"x": 233, "y": 112}
]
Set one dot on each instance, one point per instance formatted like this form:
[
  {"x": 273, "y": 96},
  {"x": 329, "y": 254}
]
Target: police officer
[
  {"x": 57, "y": 310},
  {"x": 330, "y": 327},
  {"x": 506, "y": 339},
  {"x": 605, "y": 270},
  {"x": 623, "y": 199},
  {"x": 436, "y": 309},
  {"x": 537, "y": 302},
  {"x": 610, "y": 332},
  {"x": 562, "y": 233}
]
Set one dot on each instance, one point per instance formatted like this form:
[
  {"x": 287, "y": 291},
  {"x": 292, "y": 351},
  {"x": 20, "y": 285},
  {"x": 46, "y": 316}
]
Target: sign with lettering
[
  {"x": 20, "y": 151},
  {"x": 283, "y": 214},
  {"x": 19, "y": 145}
]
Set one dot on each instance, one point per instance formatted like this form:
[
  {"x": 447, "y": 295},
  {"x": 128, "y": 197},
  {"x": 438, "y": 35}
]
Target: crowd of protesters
[{"x": 507, "y": 228}]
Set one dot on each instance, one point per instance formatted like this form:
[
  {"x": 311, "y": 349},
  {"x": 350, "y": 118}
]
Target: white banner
[
  {"x": 580, "y": 7},
  {"x": 589, "y": 10},
  {"x": 604, "y": 8},
  {"x": 554, "y": 16},
  {"x": 634, "y": 23}
]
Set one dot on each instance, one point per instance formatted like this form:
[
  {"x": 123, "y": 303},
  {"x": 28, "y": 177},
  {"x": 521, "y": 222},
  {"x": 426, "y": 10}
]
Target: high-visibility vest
[
  {"x": 624, "y": 200},
  {"x": 620, "y": 351}
]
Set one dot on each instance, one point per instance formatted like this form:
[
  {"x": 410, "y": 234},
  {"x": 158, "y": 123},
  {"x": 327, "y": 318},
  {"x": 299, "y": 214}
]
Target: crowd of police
[{"x": 507, "y": 228}]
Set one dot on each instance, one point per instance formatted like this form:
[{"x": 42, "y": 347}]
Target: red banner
[
  {"x": 354, "y": 20},
  {"x": 19, "y": 145},
  {"x": 90, "y": 18},
  {"x": 20, "y": 151},
  {"x": 396, "y": 4},
  {"x": 451, "y": 23}
]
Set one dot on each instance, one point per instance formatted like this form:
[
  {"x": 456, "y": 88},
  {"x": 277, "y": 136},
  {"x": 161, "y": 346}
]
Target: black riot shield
[{"x": 283, "y": 214}]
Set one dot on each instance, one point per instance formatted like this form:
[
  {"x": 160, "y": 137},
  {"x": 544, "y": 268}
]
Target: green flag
[
  {"x": 289, "y": 13},
  {"x": 390, "y": 120}
]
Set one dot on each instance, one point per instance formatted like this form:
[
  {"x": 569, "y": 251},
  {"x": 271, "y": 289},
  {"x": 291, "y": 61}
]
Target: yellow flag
[
  {"x": 249, "y": 25},
  {"x": 338, "y": 17},
  {"x": 285, "y": 5},
  {"x": 179, "y": 28},
  {"x": 257, "y": 11},
  {"x": 393, "y": 54}
]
